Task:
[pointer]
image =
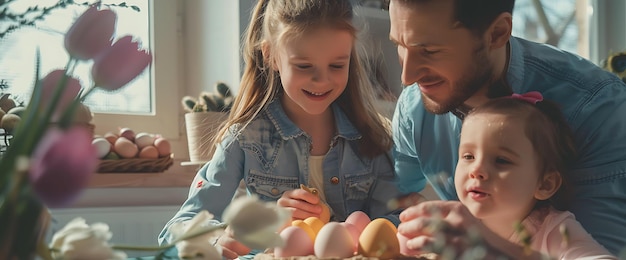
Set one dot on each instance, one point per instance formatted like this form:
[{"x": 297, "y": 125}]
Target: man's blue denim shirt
[
  {"x": 271, "y": 155},
  {"x": 594, "y": 104}
]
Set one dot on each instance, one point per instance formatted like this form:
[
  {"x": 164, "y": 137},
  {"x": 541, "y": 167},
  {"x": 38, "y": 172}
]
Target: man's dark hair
[{"x": 475, "y": 15}]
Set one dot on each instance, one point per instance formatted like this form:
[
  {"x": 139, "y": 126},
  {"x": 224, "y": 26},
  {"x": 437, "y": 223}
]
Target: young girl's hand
[
  {"x": 426, "y": 224},
  {"x": 231, "y": 248},
  {"x": 301, "y": 203}
]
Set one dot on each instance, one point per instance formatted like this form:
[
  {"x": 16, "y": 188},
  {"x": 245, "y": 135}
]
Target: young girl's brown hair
[
  {"x": 275, "y": 22},
  {"x": 548, "y": 132}
]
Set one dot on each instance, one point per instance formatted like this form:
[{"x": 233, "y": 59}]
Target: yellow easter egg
[
  {"x": 315, "y": 223},
  {"x": 304, "y": 226},
  {"x": 325, "y": 215},
  {"x": 379, "y": 239}
]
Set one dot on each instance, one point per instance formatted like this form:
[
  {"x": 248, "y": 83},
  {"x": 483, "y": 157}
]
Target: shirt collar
[
  {"x": 515, "y": 72},
  {"x": 289, "y": 130}
]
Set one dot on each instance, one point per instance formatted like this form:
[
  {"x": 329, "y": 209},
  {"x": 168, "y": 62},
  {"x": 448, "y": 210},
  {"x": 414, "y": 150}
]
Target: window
[
  {"x": 133, "y": 106},
  {"x": 20, "y": 49},
  {"x": 559, "y": 23},
  {"x": 593, "y": 29}
]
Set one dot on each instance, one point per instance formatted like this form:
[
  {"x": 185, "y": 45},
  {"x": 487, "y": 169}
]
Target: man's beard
[{"x": 466, "y": 86}]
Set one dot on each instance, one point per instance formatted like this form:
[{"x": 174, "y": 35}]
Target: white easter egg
[
  {"x": 103, "y": 147},
  {"x": 144, "y": 139},
  {"x": 334, "y": 241}
]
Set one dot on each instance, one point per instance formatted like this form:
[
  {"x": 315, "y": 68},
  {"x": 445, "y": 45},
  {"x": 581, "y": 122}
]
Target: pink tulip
[
  {"x": 51, "y": 84},
  {"x": 119, "y": 64},
  {"x": 91, "y": 33},
  {"x": 62, "y": 165}
]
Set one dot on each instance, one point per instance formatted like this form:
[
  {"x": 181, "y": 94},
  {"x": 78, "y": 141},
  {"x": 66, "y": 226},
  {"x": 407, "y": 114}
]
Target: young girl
[
  {"x": 303, "y": 115},
  {"x": 514, "y": 155}
]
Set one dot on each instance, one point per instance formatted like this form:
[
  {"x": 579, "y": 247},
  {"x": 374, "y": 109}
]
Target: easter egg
[
  {"x": 111, "y": 137},
  {"x": 334, "y": 241},
  {"x": 315, "y": 223},
  {"x": 125, "y": 148},
  {"x": 379, "y": 239},
  {"x": 163, "y": 146},
  {"x": 304, "y": 226},
  {"x": 144, "y": 139},
  {"x": 359, "y": 219},
  {"x": 355, "y": 233},
  {"x": 103, "y": 147},
  {"x": 297, "y": 243},
  {"x": 148, "y": 152}
]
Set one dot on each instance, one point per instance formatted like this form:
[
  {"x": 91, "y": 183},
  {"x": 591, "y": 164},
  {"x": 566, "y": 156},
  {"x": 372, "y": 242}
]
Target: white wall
[{"x": 211, "y": 44}]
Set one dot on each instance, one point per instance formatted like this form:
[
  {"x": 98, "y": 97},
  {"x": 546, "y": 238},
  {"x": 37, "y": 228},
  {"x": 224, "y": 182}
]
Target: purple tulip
[
  {"x": 62, "y": 165},
  {"x": 91, "y": 33},
  {"x": 51, "y": 84},
  {"x": 119, "y": 64}
]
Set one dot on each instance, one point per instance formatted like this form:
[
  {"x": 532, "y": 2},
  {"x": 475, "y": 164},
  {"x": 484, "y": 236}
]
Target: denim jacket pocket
[
  {"x": 270, "y": 187},
  {"x": 358, "y": 186}
]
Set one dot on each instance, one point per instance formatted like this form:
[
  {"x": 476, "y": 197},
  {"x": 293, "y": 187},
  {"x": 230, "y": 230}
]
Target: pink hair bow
[{"x": 531, "y": 97}]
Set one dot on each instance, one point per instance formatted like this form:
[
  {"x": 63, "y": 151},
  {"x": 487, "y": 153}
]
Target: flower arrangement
[
  {"x": 40, "y": 168},
  {"x": 193, "y": 239},
  {"x": 49, "y": 165},
  {"x": 13, "y": 20}
]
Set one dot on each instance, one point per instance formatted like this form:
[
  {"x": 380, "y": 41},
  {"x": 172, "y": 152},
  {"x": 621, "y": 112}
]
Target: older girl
[{"x": 303, "y": 115}]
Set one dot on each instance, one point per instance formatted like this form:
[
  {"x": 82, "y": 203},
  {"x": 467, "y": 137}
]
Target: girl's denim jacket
[{"x": 271, "y": 155}]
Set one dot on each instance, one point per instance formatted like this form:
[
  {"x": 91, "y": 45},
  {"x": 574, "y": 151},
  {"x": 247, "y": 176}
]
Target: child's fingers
[
  {"x": 299, "y": 209},
  {"x": 231, "y": 248},
  {"x": 431, "y": 208},
  {"x": 303, "y": 195},
  {"x": 422, "y": 226},
  {"x": 420, "y": 243}
]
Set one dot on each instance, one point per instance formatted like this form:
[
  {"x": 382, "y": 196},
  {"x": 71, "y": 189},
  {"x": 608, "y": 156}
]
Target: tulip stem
[{"x": 84, "y": 95}]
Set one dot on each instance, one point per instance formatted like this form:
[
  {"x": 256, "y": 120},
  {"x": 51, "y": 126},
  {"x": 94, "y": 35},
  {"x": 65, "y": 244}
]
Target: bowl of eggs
[{"x": 125, "y": 151}]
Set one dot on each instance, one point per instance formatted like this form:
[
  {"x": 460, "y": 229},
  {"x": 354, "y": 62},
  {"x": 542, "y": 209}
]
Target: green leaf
[
  {"x": 210, "y": 100},
  {"x": 223, "y": 89}
]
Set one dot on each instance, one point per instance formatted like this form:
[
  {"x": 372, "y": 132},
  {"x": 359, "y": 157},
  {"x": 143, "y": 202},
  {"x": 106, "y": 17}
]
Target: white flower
[
  {"x": 201, "y": 246},
  {"x": 77, "y": 240},
  {"x": 255, "y": 223}
]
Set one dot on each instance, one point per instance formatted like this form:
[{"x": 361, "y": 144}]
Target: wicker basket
[{"x": 136, "y": 165}]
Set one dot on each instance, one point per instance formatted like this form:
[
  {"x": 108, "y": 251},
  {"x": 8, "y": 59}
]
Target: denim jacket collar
[
  {"x": 289, "y": 130},
  {"x": 515, "y": 73}
]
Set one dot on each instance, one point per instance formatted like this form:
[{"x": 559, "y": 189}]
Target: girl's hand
[
  {"x": 231, "y": 248},
  {"x": 432, "y": 224},
  {"x": 301, "y": 203},
  {"x": 428, "y": 221}
]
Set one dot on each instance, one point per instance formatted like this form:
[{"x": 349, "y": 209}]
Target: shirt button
[
  {"x": 334, "y": 180},
  {"x": 275, "y": 191}
]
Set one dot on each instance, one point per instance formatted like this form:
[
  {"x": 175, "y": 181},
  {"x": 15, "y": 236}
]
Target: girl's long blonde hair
[{"x": 275, "y": 22}]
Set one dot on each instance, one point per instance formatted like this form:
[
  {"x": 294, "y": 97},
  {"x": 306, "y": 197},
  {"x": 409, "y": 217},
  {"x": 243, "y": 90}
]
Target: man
[{"x": 457, "y": 54}]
